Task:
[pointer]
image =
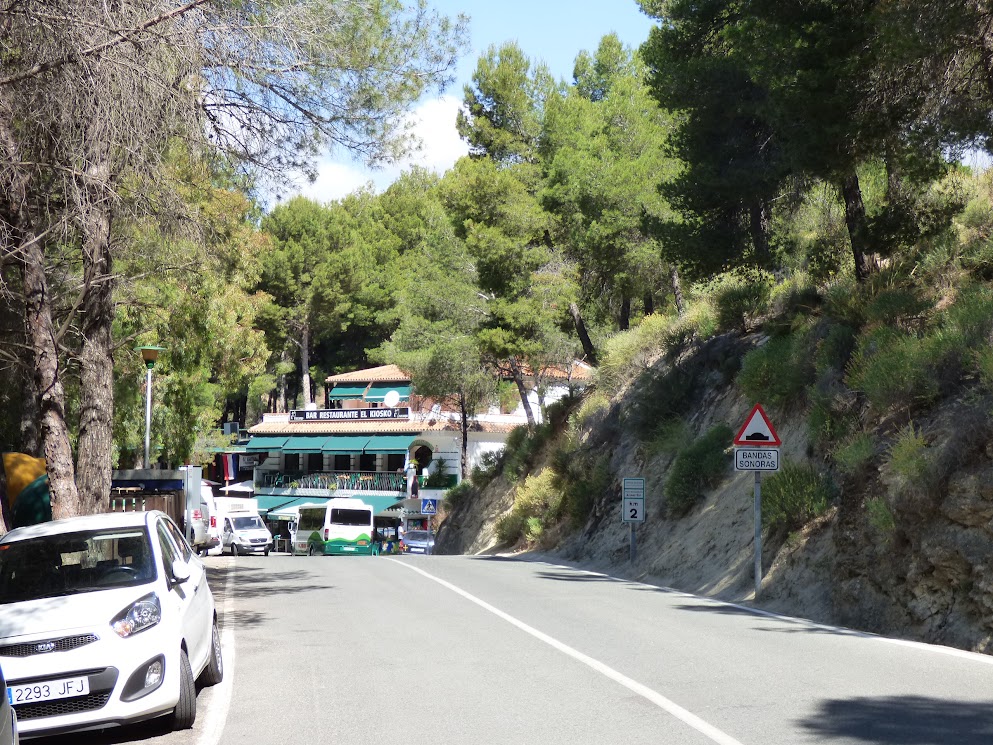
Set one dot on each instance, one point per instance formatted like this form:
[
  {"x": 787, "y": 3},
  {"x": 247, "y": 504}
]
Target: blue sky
[{"x": 553, "y": 31}]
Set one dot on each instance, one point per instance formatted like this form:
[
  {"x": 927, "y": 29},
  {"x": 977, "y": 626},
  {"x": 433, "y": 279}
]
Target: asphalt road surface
[{"x": 439, "y": 650}]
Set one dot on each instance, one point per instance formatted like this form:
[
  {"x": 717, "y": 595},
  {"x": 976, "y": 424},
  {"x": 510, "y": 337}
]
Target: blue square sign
[{"x": 429, "y": 506}]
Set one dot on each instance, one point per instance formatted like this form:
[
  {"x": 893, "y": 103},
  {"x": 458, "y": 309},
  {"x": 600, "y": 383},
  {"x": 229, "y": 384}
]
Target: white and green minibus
[{"x": 342, "y": 526}]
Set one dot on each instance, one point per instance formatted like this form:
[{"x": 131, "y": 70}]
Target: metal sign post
[
  {"x": 633, "y": 507},
  {"x": 758, "y": 532},
  {"x": 756, "y": 450}
]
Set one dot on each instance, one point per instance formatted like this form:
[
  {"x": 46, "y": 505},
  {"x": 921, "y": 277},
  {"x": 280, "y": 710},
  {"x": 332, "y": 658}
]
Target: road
[{"x": 492, "y": 650}]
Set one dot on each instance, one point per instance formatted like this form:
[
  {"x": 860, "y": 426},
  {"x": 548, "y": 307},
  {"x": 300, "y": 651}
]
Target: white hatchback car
[{"x": 104, "y": 620}]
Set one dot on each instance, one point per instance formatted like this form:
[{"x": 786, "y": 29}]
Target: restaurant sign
[{"x": 347, "y": 415}]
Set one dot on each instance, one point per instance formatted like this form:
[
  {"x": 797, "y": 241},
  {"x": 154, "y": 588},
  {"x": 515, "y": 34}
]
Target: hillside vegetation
[{"x": 881, "y": 517}]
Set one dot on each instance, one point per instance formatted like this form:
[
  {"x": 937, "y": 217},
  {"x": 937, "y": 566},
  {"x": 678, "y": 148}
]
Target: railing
[{"x": 356, "y": 480}]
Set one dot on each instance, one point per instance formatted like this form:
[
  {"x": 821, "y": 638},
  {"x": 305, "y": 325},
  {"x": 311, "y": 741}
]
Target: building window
[
  {"x": 315, "y": 462},
  {"x": 343, "y": 463},
  {"x": 395, "y": 461},
  {"x": 291, "y": 462},
  {"x": 367, "y": 462}
]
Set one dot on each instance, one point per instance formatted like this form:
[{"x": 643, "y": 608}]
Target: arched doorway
[{"x": 423, "y": 455}]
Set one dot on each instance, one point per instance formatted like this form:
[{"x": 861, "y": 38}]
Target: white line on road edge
[
  {"x": 220, "y": 698},
  {"x": 644, "y": 691}
]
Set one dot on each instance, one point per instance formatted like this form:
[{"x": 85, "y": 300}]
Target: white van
[
  {"x": 242, "y": 531},
  {"x": 342, "y": 526}
]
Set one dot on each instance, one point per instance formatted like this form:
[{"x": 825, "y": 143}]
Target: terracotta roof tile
[{"x": 384, "y": 374}]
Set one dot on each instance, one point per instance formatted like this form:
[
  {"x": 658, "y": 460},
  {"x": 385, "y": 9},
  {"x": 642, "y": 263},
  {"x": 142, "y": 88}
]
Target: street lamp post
[{"x": 149, "y": 355}]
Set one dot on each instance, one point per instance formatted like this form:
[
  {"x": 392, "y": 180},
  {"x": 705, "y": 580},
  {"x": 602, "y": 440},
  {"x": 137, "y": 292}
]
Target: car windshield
[
  {"x": 69, "y": 563},
  {"x": 247, "y": 523},
  {"x": 421, "y": 536}
]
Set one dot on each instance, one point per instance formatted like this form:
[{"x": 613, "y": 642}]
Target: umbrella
[{"x": 245, "y": 486}]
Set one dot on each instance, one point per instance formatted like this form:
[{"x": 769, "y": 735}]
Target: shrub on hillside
[
  {"x": 795, "y": 495},
  {"x": 971, "y": 316},
  {"x": 586, "y": 482},
  {"x": 626, "y": 354},
  {"x": 778, "y": 372},
  {"x": 880, "y": 515},
  {"x": 856, "y": 453},
  {"x": 738, "y": 296},
  {"x": 797, "y": 293},
  {"x": 701, "y": 465},
  {"x": 536, "y": 503},
  {"x": 834, "y": 349},
  {"x": 844, "y": 302},
  {"x": 522, "y": 447},
  {"x": 594, "y": 404},
  {"x": 459, "y": 495},
  {"x": 901, "y": 371},
  {"x": 657, "y": 398},
  {"x": 908, "y": 457},
  {"x": 895, "y": 305},
  {"x": 485, "y": 470}
]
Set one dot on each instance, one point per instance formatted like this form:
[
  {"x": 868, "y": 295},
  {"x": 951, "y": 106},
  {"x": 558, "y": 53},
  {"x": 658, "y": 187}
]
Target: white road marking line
[
  {"x": 220, "y": 698},
  {"x": 984, "y": 659},
  {"x": 687, "y": 717}
]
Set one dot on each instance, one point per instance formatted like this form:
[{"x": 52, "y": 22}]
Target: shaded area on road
[
  {"x": 904, "y": 720},
  {"x": 255, "y": 582}
]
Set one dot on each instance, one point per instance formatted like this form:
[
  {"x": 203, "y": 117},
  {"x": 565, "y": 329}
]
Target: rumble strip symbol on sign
[{"x": 757, "y": 431}]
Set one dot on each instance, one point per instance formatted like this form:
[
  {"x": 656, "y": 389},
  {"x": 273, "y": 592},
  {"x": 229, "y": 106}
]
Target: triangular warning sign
[{"x": 757, "y": 431}]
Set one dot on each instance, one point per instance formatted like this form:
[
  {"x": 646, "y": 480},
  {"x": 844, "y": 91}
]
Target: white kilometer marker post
[
  {"x": 757, "y": 449},
  {"x": 633, "y": 506}
]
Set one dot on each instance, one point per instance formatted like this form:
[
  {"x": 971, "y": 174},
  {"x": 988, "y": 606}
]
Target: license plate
[
  {"x": 348, "y": 548},
  {"x": 49, "y": 691}
]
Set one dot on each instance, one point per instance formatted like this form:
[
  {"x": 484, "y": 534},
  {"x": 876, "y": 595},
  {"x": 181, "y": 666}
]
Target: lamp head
[{"x": 150, "y": 354}]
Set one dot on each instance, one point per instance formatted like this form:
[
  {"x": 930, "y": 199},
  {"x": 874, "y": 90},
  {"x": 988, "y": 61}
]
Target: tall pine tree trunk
[
  {"x": 624, "y": 316},
  {"x": 677, "y": 290},
  {"x": 93, "y": 467},
  {"x": 305, "y": 364},
  {"x": 649, "y": 303},
  {"x": 284, "y": 359},
  {"x": 518, "y": 375},
  {"x": 55, "y": 446},
  {"x": 41, "y": 337},
  {"x": 759, "y": 227},
  {"x": 464, "y": 455},
  {"x": 584, "y": 336},
  {"x": 858, "y": 225}
]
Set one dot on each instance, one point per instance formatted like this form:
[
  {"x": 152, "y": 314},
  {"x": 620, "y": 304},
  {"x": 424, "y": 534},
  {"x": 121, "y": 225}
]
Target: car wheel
[
  {"x": 214, "y": 672},
  {"x": 185, "y": 713}
]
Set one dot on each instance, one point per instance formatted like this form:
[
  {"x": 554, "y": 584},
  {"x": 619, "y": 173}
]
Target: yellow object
[{"x": 22, "y": 470}]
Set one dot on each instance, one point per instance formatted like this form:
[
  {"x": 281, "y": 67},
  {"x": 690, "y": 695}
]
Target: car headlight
[{"x": 140, "y": 615}]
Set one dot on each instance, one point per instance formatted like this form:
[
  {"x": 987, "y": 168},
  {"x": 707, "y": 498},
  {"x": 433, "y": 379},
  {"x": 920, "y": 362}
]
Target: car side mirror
[{"x": 180, "y": 571}]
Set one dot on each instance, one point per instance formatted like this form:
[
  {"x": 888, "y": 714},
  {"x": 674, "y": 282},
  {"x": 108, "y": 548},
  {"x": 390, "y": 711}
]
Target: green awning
[
  {"x": 389, "y": 443},
  {"x": 345, "y": 444},
  {"x": 378, "y": 391},
  {"x": 269, "y": 502},
  {"x": 265, "y": 444},
  {"x": 304, "y": 444},
  {"x": 379, "y": 503},
  {"x": 347, "y": 391},
  {"x": 285, "y": 511}
]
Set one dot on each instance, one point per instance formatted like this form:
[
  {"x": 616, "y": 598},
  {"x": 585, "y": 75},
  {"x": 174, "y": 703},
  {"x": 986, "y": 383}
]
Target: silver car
[{"x": 418, "y": 542}]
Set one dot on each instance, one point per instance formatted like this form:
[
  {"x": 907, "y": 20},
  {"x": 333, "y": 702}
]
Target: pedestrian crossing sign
[{"x": 429, "y": 506}]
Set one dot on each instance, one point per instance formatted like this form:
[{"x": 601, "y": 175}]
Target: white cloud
[{"x": 434, "y": 126}]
